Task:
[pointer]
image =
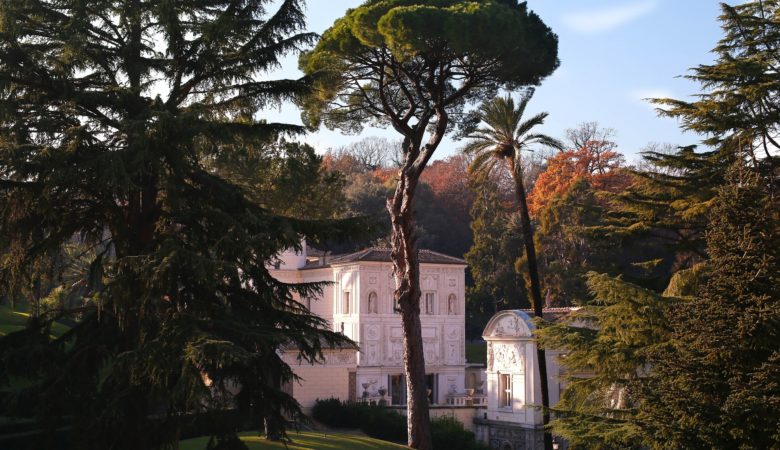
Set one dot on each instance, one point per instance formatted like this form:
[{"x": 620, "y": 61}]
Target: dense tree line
[{"x": 697, "y": 364}]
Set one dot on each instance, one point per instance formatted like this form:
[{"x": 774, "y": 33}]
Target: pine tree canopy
[
  {"x": 111, "y": 115},
  {"x": 393, "y": 63}
]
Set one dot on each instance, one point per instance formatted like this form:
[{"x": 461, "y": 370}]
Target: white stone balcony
[{"x": 467, "y": 398}]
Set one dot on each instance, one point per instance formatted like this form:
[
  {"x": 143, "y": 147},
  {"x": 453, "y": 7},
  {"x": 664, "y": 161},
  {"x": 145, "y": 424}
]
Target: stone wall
[{"x": 508, "y": 436}]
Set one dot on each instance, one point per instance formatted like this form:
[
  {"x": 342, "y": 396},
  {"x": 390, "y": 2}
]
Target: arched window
[
  {"x": 452, "y": 305},
  {"x": 373, "y": 308}
]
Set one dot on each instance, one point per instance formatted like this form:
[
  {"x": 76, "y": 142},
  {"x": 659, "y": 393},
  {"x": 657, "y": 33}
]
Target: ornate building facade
[{"x": 359, "y": 302}]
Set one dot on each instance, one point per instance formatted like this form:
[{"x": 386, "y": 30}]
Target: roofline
[{"x": 452, "y": 259}]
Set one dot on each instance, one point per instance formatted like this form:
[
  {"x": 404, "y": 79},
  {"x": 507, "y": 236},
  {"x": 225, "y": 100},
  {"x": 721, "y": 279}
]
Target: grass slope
[
  {"x": 13, "y": 320},
  {"x": 303, "y": 441}
]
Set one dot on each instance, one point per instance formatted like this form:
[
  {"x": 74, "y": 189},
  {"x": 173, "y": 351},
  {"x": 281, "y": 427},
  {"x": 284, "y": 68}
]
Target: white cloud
[{"x": 608, "y": 18}]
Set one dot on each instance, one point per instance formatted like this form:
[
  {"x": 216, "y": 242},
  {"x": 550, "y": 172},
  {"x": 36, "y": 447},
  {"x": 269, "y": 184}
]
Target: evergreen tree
[
  {"x": 739, "y": 108},
  {"x": 497, "y": 245},
  {"x": 111, "y": 113},
  {"x": 716, "y": 383},
  {"x": 294, "y": 181},
  {"x": 737, "y": 113},
  {"x": 606, "y": 345}
]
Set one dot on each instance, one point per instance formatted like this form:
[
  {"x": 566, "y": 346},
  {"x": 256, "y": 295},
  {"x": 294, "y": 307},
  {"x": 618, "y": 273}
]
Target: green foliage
[
  {"x": 606, "y": 345},
  {"x": 497, "y": 245},
  {"x": 737, "y": 113},
  {"x": 476, "y": 352},
  {"x": 386, "y": 424},
  {"x": 377, "y": 422},
  {"x": 715, "y": 383},
  {"x": 668, "y": 203},
  {"x": 175, "y": 309},
  {"x": 294, "y": 181},
  {"x": 568, "y": 245},
  {"x": 687, "y": 282},
  {"x": 739, "y": 107},
  {"x": 491, "y": 43}
]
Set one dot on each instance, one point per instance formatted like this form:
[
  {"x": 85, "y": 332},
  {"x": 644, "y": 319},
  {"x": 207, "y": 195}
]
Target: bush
[
  {"x": 381, "y": 423},
  {"x": 448, "y": 433},
  {"x": 375, "y": 421}
]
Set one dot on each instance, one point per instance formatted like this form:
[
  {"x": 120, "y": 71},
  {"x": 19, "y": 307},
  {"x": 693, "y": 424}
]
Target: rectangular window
[
  {"x": 430, "y": 384},
  {"x": 396, "y": 305},
  {"x": 397, "y": 389},
  {"x": 345, "y": 308},
  {"x": 505, "y": 390},
  {"x": 429, "y": 303}
]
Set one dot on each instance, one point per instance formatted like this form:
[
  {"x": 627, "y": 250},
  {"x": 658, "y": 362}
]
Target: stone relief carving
[
  {"x": 372, "y": 332},
  {"x": 508, "y": 357},
  {"x": 341, "y": 357},
  {"x": 508, "y": 326},
  {"x": 453, "y": 333},
  {"x": 396, "y": 354},
  {"x": 372, "y": 351},
  {"x": 452, "y": 353},
  {"x": 430, "y": 350},
  {"x": 490, "y": 356}
]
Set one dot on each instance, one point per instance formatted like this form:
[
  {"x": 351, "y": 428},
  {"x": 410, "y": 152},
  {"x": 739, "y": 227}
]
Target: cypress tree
[{"x": 109, "y": 114}]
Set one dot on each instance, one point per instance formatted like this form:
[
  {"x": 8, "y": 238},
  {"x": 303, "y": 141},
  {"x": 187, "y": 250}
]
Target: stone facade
[
  {"x": 512, "y": 420},
  {"x": 498, "y": 402},
  {"x": 359, "y": 302},
  {"x": 509, "y": 436}
]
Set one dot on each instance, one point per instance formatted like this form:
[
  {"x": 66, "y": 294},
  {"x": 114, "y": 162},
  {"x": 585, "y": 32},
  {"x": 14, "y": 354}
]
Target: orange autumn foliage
[{"x": 595, "y": 162}]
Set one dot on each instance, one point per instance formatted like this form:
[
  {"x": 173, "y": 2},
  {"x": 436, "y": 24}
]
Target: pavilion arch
[{"x": 511, "y": 323}]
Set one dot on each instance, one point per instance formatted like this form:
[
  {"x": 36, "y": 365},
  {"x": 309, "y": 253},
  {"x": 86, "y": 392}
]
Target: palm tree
[{"x": 500, "y": 141}]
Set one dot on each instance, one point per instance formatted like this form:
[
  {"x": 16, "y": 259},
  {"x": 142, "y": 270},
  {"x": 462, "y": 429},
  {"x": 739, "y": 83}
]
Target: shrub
[
  {"x": 448, "y": 433},
  {"x": 381, "y": 423}
]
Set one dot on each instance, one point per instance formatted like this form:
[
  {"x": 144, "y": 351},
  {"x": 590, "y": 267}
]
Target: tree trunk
[
  {"x": 406, "y": 269},
  {"x": 536, "y": 290}
]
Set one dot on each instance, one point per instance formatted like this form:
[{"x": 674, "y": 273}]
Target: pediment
[{"x": 509, "y": 324}]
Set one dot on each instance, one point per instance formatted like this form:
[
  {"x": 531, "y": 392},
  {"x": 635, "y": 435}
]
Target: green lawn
[
  {"x": 476, "y": 352},
  {"x": 303, "y": 441},
  {"x": 13, "y": 320}
]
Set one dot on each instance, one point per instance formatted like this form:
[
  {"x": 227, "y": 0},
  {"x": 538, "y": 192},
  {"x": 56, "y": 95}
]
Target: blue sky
[{"x": 613, "y": 54}]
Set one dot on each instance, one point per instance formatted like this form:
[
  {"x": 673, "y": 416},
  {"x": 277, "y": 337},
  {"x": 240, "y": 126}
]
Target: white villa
[
  {"x": 496, "y": 401},
  {"x": 360, "y": 303}
]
